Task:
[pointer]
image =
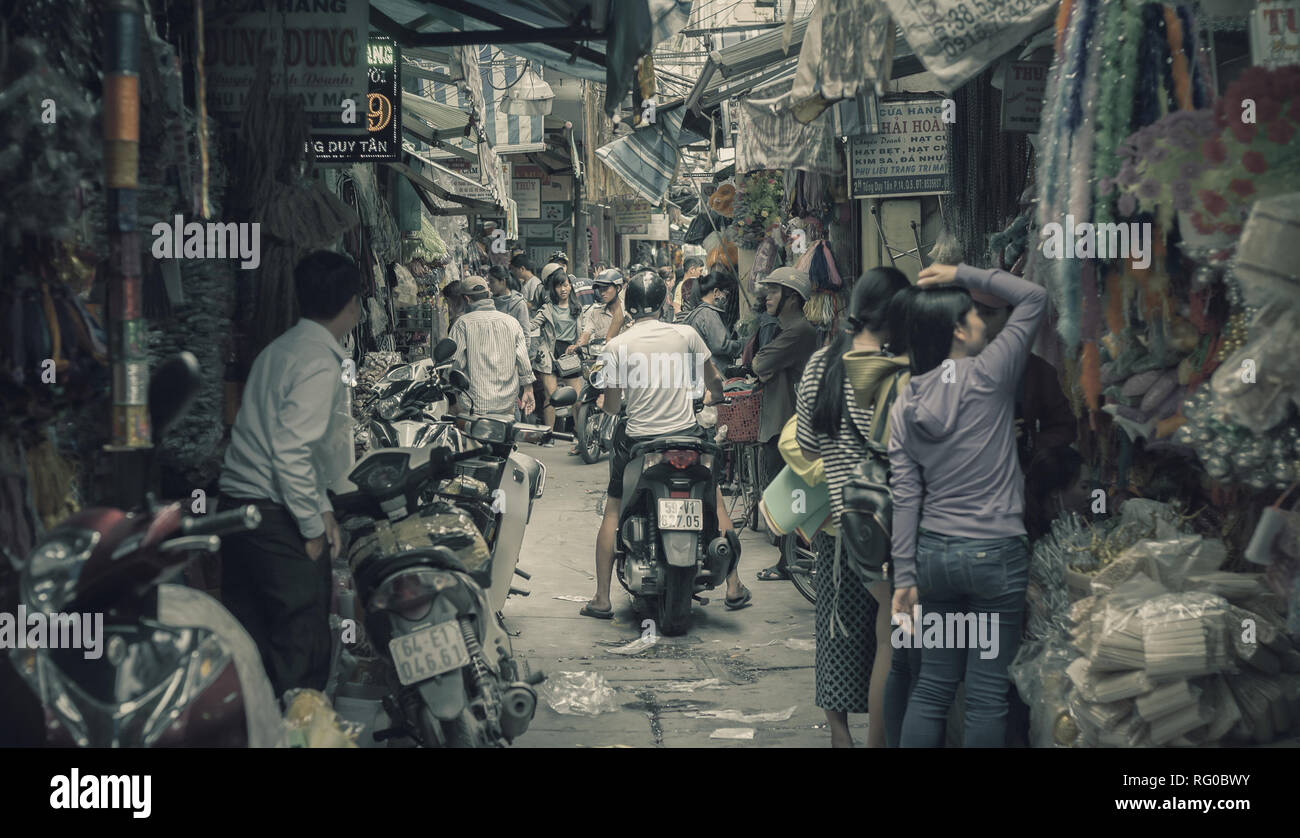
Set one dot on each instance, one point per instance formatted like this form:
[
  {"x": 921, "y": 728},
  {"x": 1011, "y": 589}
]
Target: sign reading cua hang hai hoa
[
  {"x": 382, "y": 113},
  {"x": 911, "y": 154},
  {"x": 319, "y": 51}
]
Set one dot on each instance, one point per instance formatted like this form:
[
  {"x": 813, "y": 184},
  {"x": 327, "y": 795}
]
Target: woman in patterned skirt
[{"x": 836, "y": 408}]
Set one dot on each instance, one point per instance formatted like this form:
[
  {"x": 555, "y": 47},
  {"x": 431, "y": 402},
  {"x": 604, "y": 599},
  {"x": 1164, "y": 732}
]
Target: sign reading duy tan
[
  {"x": 320, "y": 55},
  {"x": 956, "y": 39},
  {"x": 910, "y": 155}
]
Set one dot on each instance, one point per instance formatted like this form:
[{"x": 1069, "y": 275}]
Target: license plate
[
  {"x": 683, "y": 514},
  {"x": 423, "y": 654}
]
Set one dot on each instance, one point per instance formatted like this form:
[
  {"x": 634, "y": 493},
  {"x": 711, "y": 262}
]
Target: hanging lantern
[{"x": 530, "y": 96}]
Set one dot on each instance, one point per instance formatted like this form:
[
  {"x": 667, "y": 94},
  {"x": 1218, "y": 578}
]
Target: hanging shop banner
[
  {"x": 383, "y": 113},
  {"x": 555, "y": 212},
  {"x": 320, "y": 55},
  {"x": 527, "y": 193},
  {"x": 474, "y": 173},
  {"x": 956, "y": 39},
  {"x": 910, "y": 155},
  {"x": 539, "y": 232},
  {"x": 632, "y": 219},
  {"x": 557, "y": 188},
  {"x": 1275, "y": 33},
  {"x": 1024, "y": 87}
]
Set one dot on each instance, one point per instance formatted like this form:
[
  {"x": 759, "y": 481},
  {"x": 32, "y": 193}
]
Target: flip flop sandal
[
  {"x": 589, "y": 611},
  {"x": 745, "y": 600},
  {"x": 775, "y": 573}
]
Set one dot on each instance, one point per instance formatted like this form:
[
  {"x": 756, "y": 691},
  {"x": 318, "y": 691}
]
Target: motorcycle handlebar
[{"x": 246, "y": 517}]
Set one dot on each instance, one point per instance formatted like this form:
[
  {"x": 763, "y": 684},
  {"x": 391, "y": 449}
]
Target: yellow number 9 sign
[{"x": 380, "y": 112}]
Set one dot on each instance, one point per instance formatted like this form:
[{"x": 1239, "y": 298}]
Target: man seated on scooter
[{"x": 655, "y": 408}]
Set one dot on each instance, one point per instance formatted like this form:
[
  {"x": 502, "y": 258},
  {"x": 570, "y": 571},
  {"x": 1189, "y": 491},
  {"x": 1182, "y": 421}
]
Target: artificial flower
[
  {"x": 1254, "y": 162},
  {"x": 1242, "y": 187},
  {"x": 1213, "y": 201}
]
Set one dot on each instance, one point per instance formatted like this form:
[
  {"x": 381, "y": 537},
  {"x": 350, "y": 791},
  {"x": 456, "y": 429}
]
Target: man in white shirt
[
  {"x": 291, "y": 439},
  {"x": 492, "y": 351},
  {"x": 655, "y": 408}
]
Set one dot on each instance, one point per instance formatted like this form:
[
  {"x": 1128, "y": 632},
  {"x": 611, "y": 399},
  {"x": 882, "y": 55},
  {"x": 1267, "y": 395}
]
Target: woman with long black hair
[
  {"x": 557, "y": 322},
  {"x": 837, "y": 401},
  {"x": 959, "y": 544}
]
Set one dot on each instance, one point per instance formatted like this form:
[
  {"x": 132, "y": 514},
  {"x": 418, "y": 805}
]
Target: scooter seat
[
  {"x": 373, "y": 571},
  {"x": 665, "y": 443}
]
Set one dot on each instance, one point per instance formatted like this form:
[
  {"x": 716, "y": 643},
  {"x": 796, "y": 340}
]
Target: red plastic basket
[{"x": 741, "y": 416}]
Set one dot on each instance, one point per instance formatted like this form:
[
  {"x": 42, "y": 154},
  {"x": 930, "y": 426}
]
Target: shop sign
[
  {"x": 527, "y": 193},
  {"x": 320, "y": 55},
  {"x": 677, "y": 236},
  {"x": 1023, "y": 89},
  {"x": 656, "y": 228},
  {"x": 956, "y": 39},
  {"x": 1275, "y": 33},
  {"x": 557, "y": 188},
  {"x": 910, "y": 155},
  {"x": 382, "y": 113},
  {"x": 555, "y": 212},
  {"x": 472, "y": 171},
  {"x": 541, "y": 232},
  {"x": 562, "y": 233},
  {"x": 528, "y": 170},
  {"x": 632, "y": 219}
]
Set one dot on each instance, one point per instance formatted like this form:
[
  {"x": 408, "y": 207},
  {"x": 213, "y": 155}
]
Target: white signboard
[
  {"x": 956, "y": 39},
  {"x": 1275, "y": 33},
  {"x": 320, "y": 55},
  {"x": 555, "y": 212},
  {"x": 910, "y": 155},
  {"x": 632, "y": 219},
  {"x": 541, "y": 232},
  {"x": 527, "y": 193},
  {"x": 1023, "y": 90},
  {"x": 557, "y": 188}
]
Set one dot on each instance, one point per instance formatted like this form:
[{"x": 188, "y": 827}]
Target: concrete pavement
[{"x": 746, "y": 663}]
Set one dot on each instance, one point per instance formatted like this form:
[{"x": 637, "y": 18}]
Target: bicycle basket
[{"x": 741, "y": 416}]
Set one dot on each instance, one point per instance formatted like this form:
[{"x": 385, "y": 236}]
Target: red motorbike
[{"x": 170, "y": 666}]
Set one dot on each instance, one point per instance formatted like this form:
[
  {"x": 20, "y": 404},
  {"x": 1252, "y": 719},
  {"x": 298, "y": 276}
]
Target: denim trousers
[{"x": 965, "y": 576}]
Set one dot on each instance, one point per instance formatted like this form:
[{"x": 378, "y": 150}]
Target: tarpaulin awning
[
  {"x": 849, "y": 47},
  {"x": 647, "y": 159},
  {"x": 770, "y": 137}
]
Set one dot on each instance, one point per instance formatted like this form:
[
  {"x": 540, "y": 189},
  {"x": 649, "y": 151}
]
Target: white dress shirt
[
  {"x": 493, "y": 353},
  {"x": 293, "y": 435}
]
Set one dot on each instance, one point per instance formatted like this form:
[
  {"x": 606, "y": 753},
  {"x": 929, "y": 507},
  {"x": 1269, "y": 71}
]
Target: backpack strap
[{"x": 880, "y": 420}]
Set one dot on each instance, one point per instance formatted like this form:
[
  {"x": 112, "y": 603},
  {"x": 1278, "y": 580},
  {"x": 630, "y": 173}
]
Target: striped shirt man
[{"x": 492, "y": 350}]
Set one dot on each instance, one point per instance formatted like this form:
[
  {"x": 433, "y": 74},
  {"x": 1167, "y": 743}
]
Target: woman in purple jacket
[{"x": 959, "y": 541}]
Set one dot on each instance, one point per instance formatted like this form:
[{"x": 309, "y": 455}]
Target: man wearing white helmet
[{"x": 605, "y": 318}]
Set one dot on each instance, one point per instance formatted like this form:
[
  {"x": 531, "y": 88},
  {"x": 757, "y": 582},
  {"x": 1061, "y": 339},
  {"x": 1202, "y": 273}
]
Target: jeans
[
  {"x": 961, "y": 576},
  {"x": 904, "y": 671}
]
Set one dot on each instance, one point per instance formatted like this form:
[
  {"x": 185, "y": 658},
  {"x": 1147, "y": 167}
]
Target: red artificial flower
[
  {"x": 1214, "y": 150},
  {"x": 1233, "y": 229},
  {"x": 1281, "y": 131},
  {"x": 1213, "y": 202},
  {"x": 1267, "y": 109},
  {"x": 1244, "y": 131},
  {"x": 1242, "y": 187},
  {"x": 1254, "y": 162},
  {"x": 1198, "y": 222}
]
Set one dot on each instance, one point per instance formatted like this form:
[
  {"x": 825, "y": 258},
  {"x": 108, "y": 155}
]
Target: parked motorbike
[
  {"x": 433, "y": 617},
  {"x": 410, "y": 400},
  {"x": 669, "y": 545},
  {"x": 593, "y": 427},
  {"x": 174, "y": 667}
]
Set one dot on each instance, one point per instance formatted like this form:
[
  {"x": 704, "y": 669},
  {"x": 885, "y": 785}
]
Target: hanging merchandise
[
  {"x": 758, "y": 207},
  {"x": 770, "y": 137},
  {"x": 848, "y": 47}
]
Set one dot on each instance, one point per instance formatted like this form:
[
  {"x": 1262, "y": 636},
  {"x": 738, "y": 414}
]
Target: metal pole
[{"x": 131, "y": 426}]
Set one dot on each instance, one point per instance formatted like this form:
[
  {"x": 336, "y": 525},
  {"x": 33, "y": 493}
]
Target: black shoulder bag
[{"x": 868, "y": 505}]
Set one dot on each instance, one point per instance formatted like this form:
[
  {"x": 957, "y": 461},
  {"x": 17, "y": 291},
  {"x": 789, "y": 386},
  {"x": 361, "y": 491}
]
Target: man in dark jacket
[
  {"x": 1044, "y": 419},
  {"x": 708, "y": 318}
]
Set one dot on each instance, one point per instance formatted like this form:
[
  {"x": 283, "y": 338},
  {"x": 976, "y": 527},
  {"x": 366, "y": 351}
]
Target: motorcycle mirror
[
  {"x": 444, "y": 350},
  {"x": 564, "y": 396},
  {"x": 457, "y": 380},
  {"x": 171, "y": 389}
]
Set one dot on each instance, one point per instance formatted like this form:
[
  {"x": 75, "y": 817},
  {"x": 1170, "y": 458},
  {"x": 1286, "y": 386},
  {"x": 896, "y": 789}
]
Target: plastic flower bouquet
[
  {"x": 1211, "y": 165},
  {"x": 758, "y": 206}
]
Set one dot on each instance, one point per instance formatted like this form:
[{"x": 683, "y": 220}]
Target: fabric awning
[
  {"x": 771, "y": 137},
  {"x": 647, "y": 159}
]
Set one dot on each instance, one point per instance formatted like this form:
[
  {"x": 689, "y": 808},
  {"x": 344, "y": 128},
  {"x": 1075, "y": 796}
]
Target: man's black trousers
[{"x": 281, "y": 596}]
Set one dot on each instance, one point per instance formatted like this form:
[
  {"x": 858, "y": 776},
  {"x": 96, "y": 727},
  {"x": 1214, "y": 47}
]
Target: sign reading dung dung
[
  {"x": 910, "y": 155},
  {"x": 319, "y": 56}
]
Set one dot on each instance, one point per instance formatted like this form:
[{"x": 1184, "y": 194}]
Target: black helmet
[
  {"x": 560, "y": 256},
  {"x": 645, "y": 295},
  {"x": 609, "y": 276}
]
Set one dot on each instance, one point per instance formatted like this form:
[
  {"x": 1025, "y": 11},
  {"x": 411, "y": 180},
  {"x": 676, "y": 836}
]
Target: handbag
[
  {"x": 569, "y": 366},
  {"x": 868, "y": 505}
]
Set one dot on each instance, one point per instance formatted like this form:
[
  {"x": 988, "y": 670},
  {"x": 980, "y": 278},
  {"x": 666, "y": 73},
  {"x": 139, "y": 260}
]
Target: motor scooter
[{"x": 173, "y": 668}]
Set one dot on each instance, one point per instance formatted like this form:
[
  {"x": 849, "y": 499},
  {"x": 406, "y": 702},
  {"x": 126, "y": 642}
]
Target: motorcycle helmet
[
  {"x": 561, "y": 257},
  {"x": 645, "y": 295},
  {"x": 609, "y": 276}
]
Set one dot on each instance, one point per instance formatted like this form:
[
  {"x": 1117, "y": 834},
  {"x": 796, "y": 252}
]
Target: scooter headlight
[{"x": 53, "y": 567}]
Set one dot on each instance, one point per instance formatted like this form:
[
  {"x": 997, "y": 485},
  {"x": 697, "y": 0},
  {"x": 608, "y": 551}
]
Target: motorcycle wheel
[
  {"x": 801, "y": 563},
  {"x": 586, "y": 427},
  {"x": 674, "y": 603}
]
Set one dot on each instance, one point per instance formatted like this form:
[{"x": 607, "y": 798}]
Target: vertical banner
[{"x": 381, "y": 111}]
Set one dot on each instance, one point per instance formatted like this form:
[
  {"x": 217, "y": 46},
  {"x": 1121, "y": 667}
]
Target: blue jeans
[{"x": 986, "y": 577}]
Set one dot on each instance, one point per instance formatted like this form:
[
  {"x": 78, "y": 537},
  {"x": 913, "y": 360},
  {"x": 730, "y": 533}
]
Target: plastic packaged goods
[
  {"x": 1104, "y": 687},
  {"x": 1264, "y": 708},
  {"x": 1184, "y": 635},
  {"x": 440, "y": 523},
  {"x": 1130, "y": 733},
  {"x": 1041, "y": 680},
  {"x": 1166, "y": 699},
  {"x": 1226, "y": 712},
  {"x": 1180, "y": 722},
  {"x": 579, "y": 693},
  {"x": 1101, "y": 716},
  {"x": 1262, "y": 400},
  {"x": 1234, "y": 587},
  {"x": 312, "y": 722}
]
